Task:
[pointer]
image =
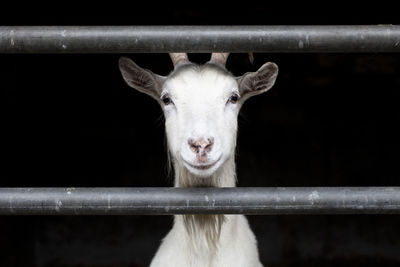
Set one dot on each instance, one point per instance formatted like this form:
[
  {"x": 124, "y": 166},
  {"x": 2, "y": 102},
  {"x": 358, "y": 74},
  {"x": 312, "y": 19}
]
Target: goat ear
[
  {"x": 254, "y": 83},
  {"x": 140, "y": 79}
]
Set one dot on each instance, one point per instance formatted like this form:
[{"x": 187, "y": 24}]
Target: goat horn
[
  {"x": 178, "y": 58},
  {"x": 219, "y": 58}
]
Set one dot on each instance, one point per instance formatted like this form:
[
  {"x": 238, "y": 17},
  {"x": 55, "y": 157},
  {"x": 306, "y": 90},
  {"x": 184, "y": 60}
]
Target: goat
[{"x": 201, "y": 104}]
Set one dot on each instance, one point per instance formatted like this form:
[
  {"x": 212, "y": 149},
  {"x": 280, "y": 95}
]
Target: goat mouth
[{"x": 202, "y": 166}]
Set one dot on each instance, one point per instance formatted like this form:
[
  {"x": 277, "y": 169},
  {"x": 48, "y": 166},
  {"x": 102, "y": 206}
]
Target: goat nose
[{"x": 202, "y": 145}]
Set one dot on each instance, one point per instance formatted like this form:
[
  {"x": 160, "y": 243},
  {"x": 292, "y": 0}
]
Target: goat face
[
  {"x": 201, "y": 116},
  {"x": 201, "y": 105}
]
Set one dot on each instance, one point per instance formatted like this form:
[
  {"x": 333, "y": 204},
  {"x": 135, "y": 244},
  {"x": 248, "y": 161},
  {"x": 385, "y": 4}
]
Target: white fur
[
  {"x": 236, "y": 247},
  {"x": 201, "y": 109}
]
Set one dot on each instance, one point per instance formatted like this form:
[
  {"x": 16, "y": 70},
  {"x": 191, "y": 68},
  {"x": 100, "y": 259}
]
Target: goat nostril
[
  {"x": 201, "y": 146},
  {"x": 210, "y": 141},
  {"x": 193, "y": 145},
  {"x": 209, "y": 145}
]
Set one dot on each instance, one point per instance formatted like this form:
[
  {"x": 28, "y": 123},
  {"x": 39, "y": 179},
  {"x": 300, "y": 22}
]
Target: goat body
[{"x": 209, "y": 240}]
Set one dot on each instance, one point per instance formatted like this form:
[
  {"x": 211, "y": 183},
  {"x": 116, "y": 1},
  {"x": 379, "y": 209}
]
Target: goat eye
[
  {"x": 166, "y": 100},
  {"x": 234, "y": 98}
]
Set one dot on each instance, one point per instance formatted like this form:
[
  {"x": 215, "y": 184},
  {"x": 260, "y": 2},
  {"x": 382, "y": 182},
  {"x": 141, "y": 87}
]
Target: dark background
[{"x": 70, "y": 121}]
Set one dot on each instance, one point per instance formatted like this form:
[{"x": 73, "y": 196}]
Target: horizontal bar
[
  {"x": 164, "y": 201},
  {"x": 200, "y": 39}
]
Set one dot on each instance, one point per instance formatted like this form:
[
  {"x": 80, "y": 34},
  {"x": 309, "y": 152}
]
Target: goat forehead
[{"x": 195, "y": 85}]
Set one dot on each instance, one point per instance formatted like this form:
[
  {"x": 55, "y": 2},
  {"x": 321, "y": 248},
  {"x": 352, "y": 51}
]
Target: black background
[{"x": 70, "y": 121}]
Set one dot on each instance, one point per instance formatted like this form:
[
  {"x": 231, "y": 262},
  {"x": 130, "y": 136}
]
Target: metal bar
[
  {"x": 200, "y": 39},
  {"x": 166, "y": 201}
]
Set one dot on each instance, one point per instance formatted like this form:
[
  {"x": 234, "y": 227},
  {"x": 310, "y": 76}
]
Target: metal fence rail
[
  {"x": 163, "y": 201},
  {"x": 163, "y": 39}
]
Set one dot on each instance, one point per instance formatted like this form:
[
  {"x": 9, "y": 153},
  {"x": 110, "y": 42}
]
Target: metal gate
[{"x": 163, "y": 39}]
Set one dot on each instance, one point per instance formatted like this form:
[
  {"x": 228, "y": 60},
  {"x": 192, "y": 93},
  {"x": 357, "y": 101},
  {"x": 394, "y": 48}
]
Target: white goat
[{"x": 201, "y": 104}]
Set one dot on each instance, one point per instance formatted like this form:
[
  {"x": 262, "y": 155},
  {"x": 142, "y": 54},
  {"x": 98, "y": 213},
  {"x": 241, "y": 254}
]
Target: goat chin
[{"x": 205, "y": 229}]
